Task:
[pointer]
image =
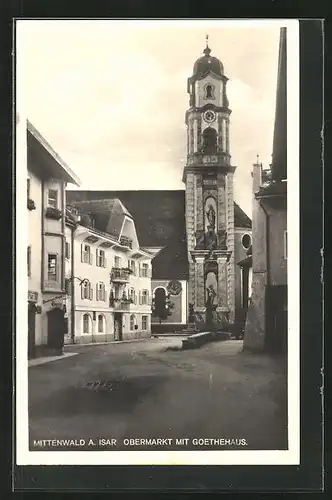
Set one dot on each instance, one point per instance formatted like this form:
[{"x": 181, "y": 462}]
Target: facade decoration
[
  {"x": 208, "y": 176},
  {"x": 174, "y": 287}
]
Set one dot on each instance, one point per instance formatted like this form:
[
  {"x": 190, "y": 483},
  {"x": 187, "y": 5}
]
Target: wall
[
  {"x": 200, "y": 92},
  {"x": 254, "y": 336},
  {"x": 35, "y": 242},
  {"x": 53, "y": 238},
  {"x": 277, "y": 261},
  {"x": 240, "y": 254},
  {"x": 96, "y": 274}
]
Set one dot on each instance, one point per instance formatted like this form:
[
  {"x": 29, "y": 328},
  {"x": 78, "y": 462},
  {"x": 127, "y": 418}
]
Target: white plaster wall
[
  {"x": 35, "y": 242},
  {"x": 200, "y": 91},
  {"x": 97, "y": 274},
  {"x": 35, "y": 233}
]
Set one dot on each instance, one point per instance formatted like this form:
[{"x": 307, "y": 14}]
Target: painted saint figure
[
  {"x": 211, "y": 216},
  {"x": 210, "y": 295}
]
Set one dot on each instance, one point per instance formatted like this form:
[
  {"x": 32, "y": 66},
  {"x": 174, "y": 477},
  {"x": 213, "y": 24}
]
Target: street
[{"x": 151, "y": 389}]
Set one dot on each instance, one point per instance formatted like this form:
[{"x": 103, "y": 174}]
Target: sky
[{"x": 111, "y": 96}]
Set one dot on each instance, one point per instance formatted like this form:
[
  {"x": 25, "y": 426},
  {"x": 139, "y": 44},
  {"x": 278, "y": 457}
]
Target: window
[
  {"x": 28, "y": 188},
  {"x": 53, "y": 198},
  {"x": 285, "y": 244},
  {"x": 86, "y": 323},
  {"x": 132, "y": 266},
  {"x": 132, "y": 322},
  {"x": 117, "y": 261},
  {"x": 67, "y": 250},
  {"x": 145, "y": 297},
  {"x": 29, "y": 261},
  {"x": 101, "y": 323},
  {"x": 209, "y": 141},
  {"x": 209, "y": 92},
  {"x": 100, "y": 258},
  {"x": 86, "y": 255},
  {"x": 100, "y": 291},
  {"x": 86, "y": 290},
  {"x": 132, "y": 295},
  {"x": 52, "y": 267},
  {"x": 144, "y": 322},
  {"x": 246, "y": 241},
  {"x": 145, "y": 270}
]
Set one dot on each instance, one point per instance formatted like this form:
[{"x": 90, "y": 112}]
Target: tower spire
[{"x": 207, "y": 50}]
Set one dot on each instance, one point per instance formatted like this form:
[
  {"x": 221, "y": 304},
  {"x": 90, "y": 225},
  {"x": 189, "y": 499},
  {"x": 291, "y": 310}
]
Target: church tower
[{"x": 208, "y": 177}]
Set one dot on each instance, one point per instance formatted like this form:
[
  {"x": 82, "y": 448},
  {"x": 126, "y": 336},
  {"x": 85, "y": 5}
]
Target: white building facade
[
  {"x": 47, "y": 177},
  {"x": 108, "y": 285}
]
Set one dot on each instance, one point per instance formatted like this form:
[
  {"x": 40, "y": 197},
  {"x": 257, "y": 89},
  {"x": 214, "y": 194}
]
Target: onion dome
[{"x": 208, "y": 63}]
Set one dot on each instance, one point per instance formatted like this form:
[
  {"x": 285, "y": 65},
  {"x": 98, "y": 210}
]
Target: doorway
[
  {"x": 31, "y": 330},
  {"x": 56, "y": 329},
  {"x": 117, "y": 326}
]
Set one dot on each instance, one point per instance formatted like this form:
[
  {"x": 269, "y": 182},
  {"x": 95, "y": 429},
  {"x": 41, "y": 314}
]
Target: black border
[{"x": 307, "y": 476}]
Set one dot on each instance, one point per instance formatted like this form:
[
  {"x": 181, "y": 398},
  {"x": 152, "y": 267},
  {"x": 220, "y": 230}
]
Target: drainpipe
[{"x": 72, "y": 286}]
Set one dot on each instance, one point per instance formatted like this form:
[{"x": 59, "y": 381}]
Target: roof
[
  {"x": 206, "y": 64},
  {"x": 50, "y": 158},
  {"x": 108, "y": 214},
  {"x": 159, "y": 218}
]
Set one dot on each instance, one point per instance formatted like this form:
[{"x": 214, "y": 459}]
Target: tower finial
[{"x": 207, "y": 49}]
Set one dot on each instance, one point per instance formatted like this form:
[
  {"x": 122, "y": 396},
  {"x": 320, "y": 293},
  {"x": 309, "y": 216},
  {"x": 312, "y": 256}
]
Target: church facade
[{"x": 198, "y": 234}]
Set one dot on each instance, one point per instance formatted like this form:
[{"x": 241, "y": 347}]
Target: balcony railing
[
  {"x": 120, "y": 275},
  {"x": 120, "y": 304},
  {"x": 126, "y": 242}
]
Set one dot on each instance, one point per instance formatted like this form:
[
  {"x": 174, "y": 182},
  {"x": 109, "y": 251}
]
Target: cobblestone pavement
[{"x": 150, "y": 389}]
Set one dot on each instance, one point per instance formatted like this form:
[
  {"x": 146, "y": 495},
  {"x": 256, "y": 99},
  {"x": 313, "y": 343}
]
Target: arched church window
[
  {"x": 209, "y": 92},
  {"x": 209, "y": 140}
]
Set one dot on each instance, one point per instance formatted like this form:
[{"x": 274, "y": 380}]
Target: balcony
[
  {"x": 120, "y": 275},
  {"x": 53, "y": 213},
  {"x": 126, "y": 242},
  {"x": 120, "y": 304},
  {"x": 218, "y": 158}
]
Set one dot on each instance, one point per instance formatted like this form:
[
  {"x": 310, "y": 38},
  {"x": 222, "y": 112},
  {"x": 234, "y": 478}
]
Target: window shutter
[
  {"x": 140, "y": 297},
  {"x": 97, "y": 291},
  {"x": 97, "y": 255},
  {"x": 149, "y": 299},
  {"x": 104, "y": 293},
  {"x": 82, "y": 291},
  {"x": 82, "y": 253},
  {"x": 91, "y": 258},
  {"x": 139, "y": 269},
  {"x": 91, "y": 292},
  {"x": 105, "y": 261}
]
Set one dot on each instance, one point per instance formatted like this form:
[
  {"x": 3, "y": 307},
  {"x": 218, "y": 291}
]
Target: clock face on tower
[{"x": 209, "y": 116}]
